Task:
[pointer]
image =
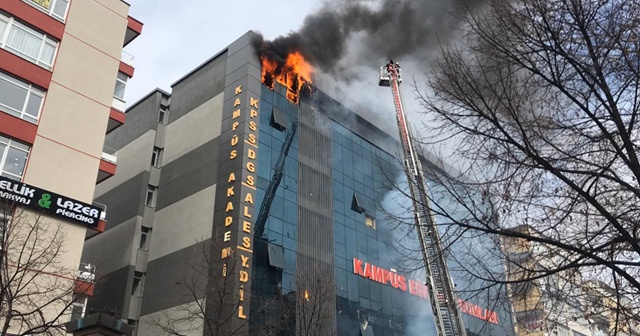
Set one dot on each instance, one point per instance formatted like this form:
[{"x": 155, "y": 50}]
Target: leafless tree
[
  {"x": 36, "y": 287},
  {"x": 210, "y": 307},
  {"x": 314, "y": 302},
  {"x": 205, "y": 300},
  {"x": 537, "y": 103}
]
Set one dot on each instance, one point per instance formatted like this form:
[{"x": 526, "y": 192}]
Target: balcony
[
  {"x": 86, "y": 280},
  {"x": 531, "y": 320},
  {"x": 119, "y": 104},
  {"x": 134, "y": 29},
  {"x": 109, "y": 155},
  {"x": 126, "y": 64},
  {"x": 127, "y": 58},
  {"x": 108, "y": 161},
  {"x": 116, "y": 119}
]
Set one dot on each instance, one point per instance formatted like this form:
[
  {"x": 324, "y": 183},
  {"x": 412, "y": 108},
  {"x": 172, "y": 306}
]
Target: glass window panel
[
  {"x": 24, "y": 42},
  {"x": 11, "y": 95},
  {"x": 29, "y": 118},
  {"x": 47, "y": 54},
  {"x": 19, "y": 145},
  {"x": 15, "y": 162},
  {"x": 3, "y": 26},
  {"x": 60, "y": 8},
  {"x": 33, "y": 106},
  {"x": 123, "y": 77},
  {"x": 119, "y": 90}
]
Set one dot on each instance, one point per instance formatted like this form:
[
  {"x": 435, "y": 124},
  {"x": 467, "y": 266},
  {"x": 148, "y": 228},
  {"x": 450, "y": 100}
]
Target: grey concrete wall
[
  {"x": 125, "y": 200},
  {"x": 173, "y": 279},
  {"x": 133, "y": 159},
  {"x": 189, "y": 174},
  {"x": 183, "y": 223},
  {"x": 141, "y": 117},
  {"x": 112, "y": 292},
  {"x": 114, "y": 248},
  {"x": 186, "y": 134},
  {"x": 199, "y": 86},
  {"x": 151, "y": 324}
]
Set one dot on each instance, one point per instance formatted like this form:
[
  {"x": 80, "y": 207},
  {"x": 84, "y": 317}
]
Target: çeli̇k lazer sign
[{"x": 48, "y": 202}]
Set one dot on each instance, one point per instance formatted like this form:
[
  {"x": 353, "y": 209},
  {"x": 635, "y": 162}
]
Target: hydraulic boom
[
  {"x": 278, "y": 171},
  {"x": 441, "y": 294}
]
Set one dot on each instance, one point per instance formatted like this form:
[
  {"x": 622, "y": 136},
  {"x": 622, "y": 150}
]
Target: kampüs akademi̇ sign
[
  {"x": 48, "y": 202},
  {"x": 417, "y": 288}
]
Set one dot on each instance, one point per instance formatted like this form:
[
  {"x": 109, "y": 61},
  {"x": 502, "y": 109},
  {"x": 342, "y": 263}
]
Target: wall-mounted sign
[
  {"x": 237, "y": 191},
  {"x": 478, "y": 312},
  {"x": 48, "y": 202},
  {"x": 388, "y": 277},
  {"x": 417, "y": 288}
]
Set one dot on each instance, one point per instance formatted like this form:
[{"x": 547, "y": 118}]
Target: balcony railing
[
  {"x": 127, "y": 58},
  {"x": 119, "y": 104},
  {"x": 110, "y": 155},
  {"x": 87, "y": 273},
  {"x": 103, "y": 213}
]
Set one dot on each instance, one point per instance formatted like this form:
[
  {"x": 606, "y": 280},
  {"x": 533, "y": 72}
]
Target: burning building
[{"x": 248, "y": 201}]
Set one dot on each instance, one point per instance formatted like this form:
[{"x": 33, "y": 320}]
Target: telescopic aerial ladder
[{"x": 441, "y": 294}]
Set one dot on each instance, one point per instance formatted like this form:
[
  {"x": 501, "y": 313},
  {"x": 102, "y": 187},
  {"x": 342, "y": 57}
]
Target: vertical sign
[{"x": 235, "y": 206}]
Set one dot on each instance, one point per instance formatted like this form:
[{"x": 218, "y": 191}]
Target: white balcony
[
  {"x": 119, "y": 104},
  {"x": 127, "y": 58},
  {"x": 109, "y": 155}
]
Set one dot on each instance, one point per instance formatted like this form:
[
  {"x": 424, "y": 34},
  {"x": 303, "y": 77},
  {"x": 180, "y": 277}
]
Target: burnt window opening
[
  {"x": 366, "y": 330},
  {"x": 278, "y": 119},
  {"x": 276, "y": 256},
  {"x": 362, "y": 204},
  {"x": 355, "y": 204}
]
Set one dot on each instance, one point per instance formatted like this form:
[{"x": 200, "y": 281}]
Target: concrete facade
[{"x": 62, "y": 132}]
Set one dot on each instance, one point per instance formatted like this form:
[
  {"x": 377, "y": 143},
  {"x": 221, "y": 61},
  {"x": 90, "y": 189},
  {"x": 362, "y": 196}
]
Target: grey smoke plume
[{"x": 387, "y": 29}]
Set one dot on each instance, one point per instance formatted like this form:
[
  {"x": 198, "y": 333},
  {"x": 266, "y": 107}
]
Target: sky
[{"x": 178, "y": 35}]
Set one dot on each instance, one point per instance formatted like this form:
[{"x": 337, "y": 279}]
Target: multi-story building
[
  {"x": 62, "y": 76},
  {"x": 186, "y": 250},
  {"x": 562, "y": 303}
]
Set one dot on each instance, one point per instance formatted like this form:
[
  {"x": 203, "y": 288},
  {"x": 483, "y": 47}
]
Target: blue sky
[{"x": 178, "y": 35}]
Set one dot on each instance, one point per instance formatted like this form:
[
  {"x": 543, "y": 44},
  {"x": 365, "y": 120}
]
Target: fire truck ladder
[
  {"x": 270, "y": 193},
  {"x": 442, "y": 297}
]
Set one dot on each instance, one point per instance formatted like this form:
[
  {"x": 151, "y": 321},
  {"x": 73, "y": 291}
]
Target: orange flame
[{"x": 294, "y": 74}]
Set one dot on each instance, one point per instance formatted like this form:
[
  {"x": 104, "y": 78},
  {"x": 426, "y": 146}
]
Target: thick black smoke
[{"x": 386, "y": 29}]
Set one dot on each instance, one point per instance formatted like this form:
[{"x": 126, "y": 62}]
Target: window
[
  {"x": 121, "y": 84},
  {"x": 13, "y": 158},
  {"x": 278, "y": 119},
  {"x": 370, "y": 221},
  {"x": 162, "y": 116},
  {"x": 55, "y": 8},
  {"x": 20, "y": 98},
  {"x": 138, "y": 283},
  {"x": 26, "y": 42},
  {"x": 151, "y": 196},
  {"x": 144, "y": 237},
  {"x": 156, "y": 156}
]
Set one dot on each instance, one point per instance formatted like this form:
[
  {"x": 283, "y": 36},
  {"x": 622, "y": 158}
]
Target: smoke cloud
[{"x": 382, "y": 29}]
